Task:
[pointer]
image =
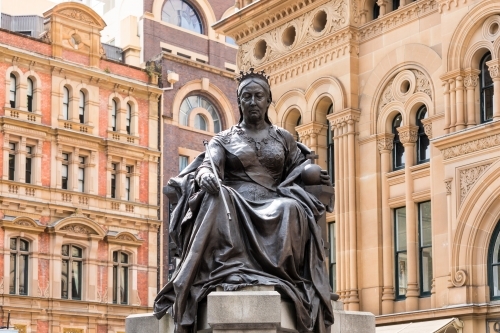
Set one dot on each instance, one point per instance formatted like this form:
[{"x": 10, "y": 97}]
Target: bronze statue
[{"x": 272, "y": 237}]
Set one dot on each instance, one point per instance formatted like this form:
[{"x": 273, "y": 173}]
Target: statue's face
[{"x": 254, "y": 101}]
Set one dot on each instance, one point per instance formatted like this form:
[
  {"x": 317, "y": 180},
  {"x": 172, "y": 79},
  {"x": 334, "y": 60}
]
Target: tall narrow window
[
  {"x": 64, "y": 171},
  {"x": 12, "y": 161},
  {"x": 71, "y": 272},
  {"x": 114, "y": 111},
  {"x": 128, "y": 118},
  {"x": 183, "y": 162},
  {"x": 425, "y": 247},
  {"x": 29, "y": 164},
  {"x": 81, "y": 174},
  {"x": 29, "y": 95},
  {"x": 398, "y": 150},
  {"x": 376, "y": 10},
  {"x": 128, "y": 177},
  {"x": 81, "y": 108},
  {"x": 13, "y": 90},
  {"x": 18, "y": 277},
  {"x": 332, "y": 240},
  {"x": 120, "y": 277},
  {"x": 401, "y": 261},
  {"x": 330, "y": 148},
  {"x": 486, "y": 83},
  {"x": 423, "y": 149},
  {"x": 113, "y": 180},
  {"x": 181, "y": 14},
  {"x": 65, "y": 103}
]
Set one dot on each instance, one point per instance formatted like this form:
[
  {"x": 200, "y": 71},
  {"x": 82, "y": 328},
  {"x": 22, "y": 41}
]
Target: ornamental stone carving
[
  {"x": 125, "y": 238},
  {"x": 385, "y": 142},
  {"x": 447, "y": 183},
  {"x": 470, "y": 147},
  {"x": 468, "y": 177},
  {"x": 78, "y": 15},
  {"x": 458, "y": 278},
  {"x": 493, "y": 69},
  {"x": 78, "y": 229},
  {"x": 408, "y": 134},
  {"x": 271, "y": 46},
  {"x": 470, "y": 81},
  {"x": 25, "y": 223}
]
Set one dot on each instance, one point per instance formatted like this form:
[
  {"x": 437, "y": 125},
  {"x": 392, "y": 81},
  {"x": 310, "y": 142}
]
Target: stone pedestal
[{"x": 251, "y": 310}]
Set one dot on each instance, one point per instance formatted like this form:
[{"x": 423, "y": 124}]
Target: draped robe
[{"x": 272, "y": 239}]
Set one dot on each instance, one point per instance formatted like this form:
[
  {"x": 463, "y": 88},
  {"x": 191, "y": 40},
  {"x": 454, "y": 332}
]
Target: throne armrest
[{"x": 324, "y": 194}]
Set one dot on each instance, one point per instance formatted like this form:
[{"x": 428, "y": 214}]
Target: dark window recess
[
  {"x": 398, "y": 150},
  {"x": 486, "y": 83},
  {"x": 12, "y": 160},
  {"x": 183, "y": 55},
  {"x": 423, "y": 149},
  {"x": 200, "y": 60}
]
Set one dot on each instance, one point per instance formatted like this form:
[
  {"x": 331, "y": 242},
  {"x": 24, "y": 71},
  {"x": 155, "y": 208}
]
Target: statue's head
[{"x": 259, "y": 78}]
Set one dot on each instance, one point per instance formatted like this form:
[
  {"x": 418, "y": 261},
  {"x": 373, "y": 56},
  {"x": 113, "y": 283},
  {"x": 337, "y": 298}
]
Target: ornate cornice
[
  {"x": 23, "y": 131},
  {"x": 471, "y": 146},
  {"x": 77, "y": 142},
  {"x": 408, "y": 134}
]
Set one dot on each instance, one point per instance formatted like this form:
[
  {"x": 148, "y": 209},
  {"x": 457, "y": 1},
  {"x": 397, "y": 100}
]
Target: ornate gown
[{"x": 272, "y": 239}]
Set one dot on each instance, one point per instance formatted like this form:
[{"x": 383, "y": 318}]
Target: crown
[{"x": 251, "y": 74}]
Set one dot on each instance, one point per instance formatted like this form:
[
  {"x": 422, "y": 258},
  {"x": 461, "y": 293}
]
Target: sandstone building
[
  {"x": 401, "y": 100},
  {"x": 79, "y": 179}
]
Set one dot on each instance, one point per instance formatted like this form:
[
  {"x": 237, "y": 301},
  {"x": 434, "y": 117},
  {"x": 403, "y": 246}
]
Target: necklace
[{"x": 257, "y": 144}]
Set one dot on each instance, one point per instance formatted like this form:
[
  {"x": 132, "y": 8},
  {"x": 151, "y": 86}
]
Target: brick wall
[
  {"x": 76, "y": 57},
  {"x": 24, "y": 42},
  {"x": 102, "y": 174}
]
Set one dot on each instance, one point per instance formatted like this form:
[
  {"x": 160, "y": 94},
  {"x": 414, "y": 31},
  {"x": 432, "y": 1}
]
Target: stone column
[
  {"x": 493, "y": 67},
  {"x": 6, "y": 150},
  {"x": 447, "y": 119},
  {"x": 459, "y": 87},
  {"x": 408, "y": 135},
  {"x": 470, "y": 83},
  {"x": 339, "y": 203},
  {"x": 447, "y": 183},
  {"x": 120, "y": 179},
  {"x": 21, "y": 160},
  {"x": 453, "y": 103},
  {"x": 383, "y": 5},
  {"x": 385, "y": 145},
  {"x": 351, "y": 173},
  {"x": 37, "y": 172},
  {"x": 135, "y": 182},
  {"x": 90, "y": 170},
  {"x": 73, "y": 170}
]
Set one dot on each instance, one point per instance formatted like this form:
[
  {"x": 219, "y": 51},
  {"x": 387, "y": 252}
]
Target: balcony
[
  {"x": 116, "y": 136},
  {"x": 23, "y": 115},
  {"x": 75, "y": 127}
]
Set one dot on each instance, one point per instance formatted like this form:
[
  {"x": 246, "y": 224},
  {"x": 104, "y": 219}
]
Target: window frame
[
  {"x": 82, "y": 160},
  {"x": 29, "y": 94},
  {"x": 421, "y": 249},
  {"x": 81, "y": 107},
  {"x": 17, "y": 254},
  {"x": 397, "y": 295},
  {"x": 114, "y": 112},
  {"x": 12, "y": 160},
  {"x": 117, "y": 266},
  {"x": 28, "y": 174},
  {"x": 188, "y": 105},
  {"x": 114, "y": 168},
  {"x": 396, "y": 142},
  {"x": 129, "y": 170},
  {"x": 179, "y": 24},
  {"x": 128, "y": 119},
  {"x": 71, "y": 259},
  {"x": 13, "y": 91},
  {"x": 422, "y": 136},
  {"x": 482, "y": 88},
  {"x": 65, "y": 166},
  {"x": 65, "y": 103},
  {"x": 494, "y": 237}
]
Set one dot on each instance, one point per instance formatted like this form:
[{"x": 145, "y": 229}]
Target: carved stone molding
[
  {"x": 18, "y": 130},
  {"x": 470, "y": 147},
  {"x": 385, "y": 142},
  {"x": 447, "y": 183},
  {"x": 471, "y": 81},
  {"x": 78, "y": 15},
  {"x": 468, "y": 177},
  {"x": 408, "y": 134},
  {"x": 343, "y": 118},
  {"x": 78, "y": 229},
  {"x": 458, "y": 278},
  {"x": 427, "y": 122},
  {"x": 493, "y": 68}
]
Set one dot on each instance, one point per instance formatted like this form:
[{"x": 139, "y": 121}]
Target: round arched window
[
  {"x": 192, "y": 102},
  {"x": 181, "y": 14}
]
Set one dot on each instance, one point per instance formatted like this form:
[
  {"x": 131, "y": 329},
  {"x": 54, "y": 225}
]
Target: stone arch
[
  {"x": 221, "y": 101},
  {"x": 89, "y": 94},
  {"x": 386, "y": 116},
  {"x": 410, "y": 56},
  {"x": 290, "y": 119},
  {"x": 462, "y": 36},
  {"x": 204, "y": 9},
  {"x": 291, "y": 99},
  {"x": 326, "y": 86},
  {"x": 84, "y": 13},
  {"x": 413, "y": 104},
  {"x": 79, "y": 225},
  {"x": 320, "y": 107},
  {"x": 477, "y": 218},
  {"x": 474, "y": 54}
]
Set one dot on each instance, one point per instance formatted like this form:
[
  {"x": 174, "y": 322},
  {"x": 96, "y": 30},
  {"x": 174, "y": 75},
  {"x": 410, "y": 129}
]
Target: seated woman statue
[{"x": 272, "y": 238}]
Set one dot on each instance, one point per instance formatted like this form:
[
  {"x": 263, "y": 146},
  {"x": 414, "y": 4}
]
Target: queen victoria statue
[{"x": 269, "y": 235}]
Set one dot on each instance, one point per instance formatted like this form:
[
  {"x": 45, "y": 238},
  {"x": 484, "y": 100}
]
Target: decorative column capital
[
  {"x": 408, "y": 134},
  {"x": 309, "y": 129},
  {"x": 344, "y": 117},
  {"x": 494, "y": 68},
  {"x": 385, "y": 142},
  {"x": 427, "y": 122}
]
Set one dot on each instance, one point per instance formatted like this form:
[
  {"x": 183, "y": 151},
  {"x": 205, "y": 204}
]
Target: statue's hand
[
  {"x": 325, "y": 178},
  {"x": 209, "y": 183}
]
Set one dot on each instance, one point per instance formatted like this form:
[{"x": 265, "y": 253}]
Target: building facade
[
  {"x": 401, "y": 100},
  {"x": 80, "y": 179}
]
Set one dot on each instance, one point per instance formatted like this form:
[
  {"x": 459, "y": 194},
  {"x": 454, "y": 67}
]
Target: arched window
[
  {"x": 181, "y": 14},
  {"x": 29, "y": 95},
  {"x": 114, "y": 112},
  {"x": 19, "y": 256},
  {"x": 71, "y": 272},
  {"x": 65, "y": 103},
  {"x": 376, "y": 10},
  {"x": 200, "y": 122},
  {"x": 486, "y": 90},
  {"x": 494, "y": 265},
  {"x": 120, "y": 277},
  {"x": 128, "y": 118},
  {"x": 191, "y": 102},
  {"x": 423, "y": 149},
  {"x": 330, "y": 148},
  {"x": 81, "y": 108},
  {"x": 13, "y": 90},
  {"x": 398, "y": 150}
]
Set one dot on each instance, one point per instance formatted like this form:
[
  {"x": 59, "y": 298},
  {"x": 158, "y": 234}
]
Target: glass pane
[
  {"x": 399, "y": 155},
  {"x": 181, "y": 14},
  {"x": 333, "y": 277},
  {"x": 13, "y": 243},
  {"x": 115, "y": 256},
  {"x": 12, "y": 275},
  {"x": 488, "y": 103},
  {"x": 30, "y": 87},
  {"x": 423, "y": 148},
  {"x": 64, "y": 171},
  {"x": 425, "y": 224},
  {"x": 426, "y": 269},
  {"x": 124, "y": 258},
  {"x": 115, "y": 284},
  {"x": 496, "y": 251},
  {"x": 200, "y": 123},
  {"x": 64, "y": 278},
  {"x": 400, "y": 216},
  {"x": 183, "y": 162},
  {"x": 124, "y": 285},
  {"x": 76, "y": 283},
  {"x": 24, "y": 245},
  {"x": 76, "y": 252},
  {"x": 485, "y": 73},
  {"x": 23, "y": 275},
  {"x": 65, "y": 250},
  {"x": 496, "y": 280},
  {"x": 402, "y": 273}
]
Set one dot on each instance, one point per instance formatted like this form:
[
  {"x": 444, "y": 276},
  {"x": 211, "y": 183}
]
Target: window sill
[
  {"x": 187, "y": 128},
  {"x": 117, "y": 136},
  {"x": 74, "y": 126},
  {"x": 23, "y": 115}
]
